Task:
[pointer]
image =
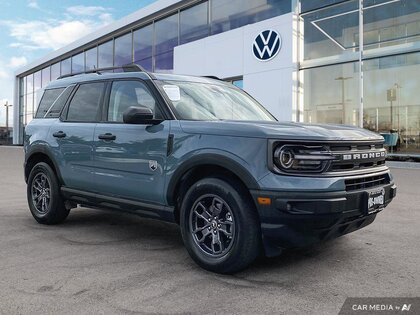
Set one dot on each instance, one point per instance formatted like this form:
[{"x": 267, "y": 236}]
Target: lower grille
[{"x": 366, "y": 182}]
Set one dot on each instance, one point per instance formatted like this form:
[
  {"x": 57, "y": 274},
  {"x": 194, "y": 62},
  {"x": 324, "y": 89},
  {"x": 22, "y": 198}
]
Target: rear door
[
  {"x": 73, "y": 135},
  {"x": 130, "y": 159}
]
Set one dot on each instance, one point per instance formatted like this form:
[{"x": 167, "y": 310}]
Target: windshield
[{"x": 204, "y": 101}]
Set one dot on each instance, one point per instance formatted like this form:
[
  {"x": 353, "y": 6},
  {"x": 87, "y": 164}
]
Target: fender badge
[{"x": 153, "y": 165}]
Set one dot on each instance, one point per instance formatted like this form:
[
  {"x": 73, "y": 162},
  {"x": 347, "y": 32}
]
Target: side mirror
[{"x": 139, "y": 115}]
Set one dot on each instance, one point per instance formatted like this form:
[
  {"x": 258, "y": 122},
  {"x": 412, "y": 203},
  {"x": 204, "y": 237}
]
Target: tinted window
[
  {"x": 166, "y": 38},
  {"x": 228, "y": 15},
  {"x": 91, "y": 56},
  {"x": 58, "y": 105},
  {"x": 194, "y": 23},
  {"x": 129, "y": 93},
  {"x": 105, "y": 55},
  {"x": 47, "y": 100},
  {"x": 143, "y": 47},
  {"x": 123, "y": 50},
  {"x": 86, "y": 102}
]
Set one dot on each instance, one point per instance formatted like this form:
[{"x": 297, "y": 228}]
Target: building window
[
  {"x": 143, "y": 47},
  {"x": 331, "y": 94},
  {"x": 391, "y": 23},
  {"x": 228, "y": 15},
  {"x": 105, "y": 55},
  {"x": 332, "y": 31},
  {"x": 123, "y": 50},
  {"x": 194, "y": 23},
  {"x": 390, "y": 98},
  {"x": 166, "y": 38},
  {"x": 78, "y": 63},
  {"x": 55, "y": 71},
  {"x": 91, "y": 58},
  {"x": 46, "y": 76},
  {"x": 66, "y": 66}
]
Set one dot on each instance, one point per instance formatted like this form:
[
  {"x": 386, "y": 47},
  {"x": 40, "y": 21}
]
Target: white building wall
[{"x": 230, "y": 54}]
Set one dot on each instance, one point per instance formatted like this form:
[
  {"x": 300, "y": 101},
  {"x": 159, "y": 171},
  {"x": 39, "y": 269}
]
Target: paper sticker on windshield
[{"x": 173, "y": 92}]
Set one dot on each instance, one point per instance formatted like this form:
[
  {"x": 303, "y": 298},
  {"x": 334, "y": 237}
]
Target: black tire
[
  {"x": 44, "y": 200},
  {"x": 237, "y": 216}
]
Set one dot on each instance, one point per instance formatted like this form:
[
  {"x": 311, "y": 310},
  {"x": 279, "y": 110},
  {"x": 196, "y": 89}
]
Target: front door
[{"x": 130, "y": 159}]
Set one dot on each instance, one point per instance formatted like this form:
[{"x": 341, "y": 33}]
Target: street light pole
[{"x": 7, "y": 119}]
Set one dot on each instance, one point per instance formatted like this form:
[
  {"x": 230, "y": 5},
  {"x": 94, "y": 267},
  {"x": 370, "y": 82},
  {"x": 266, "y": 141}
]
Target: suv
[{"x": 201, "y": 153}]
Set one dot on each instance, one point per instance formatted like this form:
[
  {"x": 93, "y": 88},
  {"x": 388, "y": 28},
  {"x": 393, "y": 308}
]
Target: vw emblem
[{"x": 267, "y": 45}]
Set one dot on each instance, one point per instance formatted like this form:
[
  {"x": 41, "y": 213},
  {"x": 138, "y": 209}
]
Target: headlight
[{"x": 290, "y": 158}]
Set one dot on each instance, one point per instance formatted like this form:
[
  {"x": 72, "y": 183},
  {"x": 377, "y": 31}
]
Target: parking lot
[{"x": 113, "y": 263}]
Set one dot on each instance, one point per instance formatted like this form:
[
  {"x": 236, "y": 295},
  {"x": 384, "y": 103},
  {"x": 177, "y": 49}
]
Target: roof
[{"x": 103, "y": 33}]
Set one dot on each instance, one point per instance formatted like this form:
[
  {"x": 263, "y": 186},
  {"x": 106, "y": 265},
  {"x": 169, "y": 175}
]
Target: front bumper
[{"x": 296, "y": 219}]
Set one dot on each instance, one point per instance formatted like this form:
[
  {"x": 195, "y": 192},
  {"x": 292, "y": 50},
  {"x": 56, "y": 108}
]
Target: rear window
[{"x": 52, "y": 102}]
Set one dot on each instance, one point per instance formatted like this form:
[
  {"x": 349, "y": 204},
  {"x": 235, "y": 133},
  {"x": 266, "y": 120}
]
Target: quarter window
[
  {"x": 125, "y": 94},
  {"x": 86, "y": 102},
  {"x": 47, "y": 100}
]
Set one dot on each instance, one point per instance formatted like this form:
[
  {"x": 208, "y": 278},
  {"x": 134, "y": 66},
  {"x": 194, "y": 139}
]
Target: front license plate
[{"x": 375, "y": 200}]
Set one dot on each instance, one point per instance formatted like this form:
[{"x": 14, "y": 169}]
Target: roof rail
[
  {"x": 126, "y": 68},
  {"x": 212, "y": 77}
]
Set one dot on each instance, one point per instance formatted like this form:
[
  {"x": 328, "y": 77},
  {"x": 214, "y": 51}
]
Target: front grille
[
  {"x": 366, "y": 182},
  {"x": 343, "y": 165}
]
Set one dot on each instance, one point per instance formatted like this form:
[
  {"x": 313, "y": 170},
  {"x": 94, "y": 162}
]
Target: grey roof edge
[{"x": 102, "y": 32}]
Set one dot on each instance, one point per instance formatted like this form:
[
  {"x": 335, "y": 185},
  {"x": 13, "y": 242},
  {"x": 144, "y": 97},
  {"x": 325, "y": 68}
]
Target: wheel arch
[
  {"x": 202, "y": 166},
  {"x": 40, "y": 155}
]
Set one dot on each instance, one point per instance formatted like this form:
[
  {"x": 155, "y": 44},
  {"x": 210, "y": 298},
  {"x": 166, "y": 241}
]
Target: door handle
[
  {"x": 107, "y": 136},
  {"x": 59, "y": 134}
]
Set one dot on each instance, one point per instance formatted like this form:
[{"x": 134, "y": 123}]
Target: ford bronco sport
[{"x": 201, "y": 153}]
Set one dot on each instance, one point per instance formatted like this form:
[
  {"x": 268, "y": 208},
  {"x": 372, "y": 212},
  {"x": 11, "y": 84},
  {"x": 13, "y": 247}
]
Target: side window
[
  {"x": 130, "y": 93},
  {"x": 85, "y": 104},
  {"x": 47, "y": 100},
  {"x": 58, "y": 104}
]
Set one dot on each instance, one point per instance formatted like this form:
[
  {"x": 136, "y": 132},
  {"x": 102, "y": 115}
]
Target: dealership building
[{"x": 354, "y": 62}]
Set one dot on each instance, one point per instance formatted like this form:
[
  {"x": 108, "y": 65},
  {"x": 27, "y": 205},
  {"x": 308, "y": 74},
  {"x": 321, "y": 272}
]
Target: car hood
[{"x": 278, "y": 130}]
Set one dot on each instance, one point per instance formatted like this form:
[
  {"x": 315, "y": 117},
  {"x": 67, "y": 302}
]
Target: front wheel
[
  {"x": 220, "y": 226},
  {"x": 44, "y": 199}
]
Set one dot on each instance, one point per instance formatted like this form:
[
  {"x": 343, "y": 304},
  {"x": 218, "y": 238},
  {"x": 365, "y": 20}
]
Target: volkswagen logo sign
[{"x": 266, "y": 45}]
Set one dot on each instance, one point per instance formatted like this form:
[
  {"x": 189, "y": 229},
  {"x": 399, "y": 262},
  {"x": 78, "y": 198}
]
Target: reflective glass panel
[
  {"x": 228, "y": 15},
  {"x": 78, "y": 63},
  {"x": 66, "y": 66},
  {"x": 166, "y": 38},
  {"x": 91, "y": 57},
  {"x": 105, "y": 55},
  {"x": 390, "y": 23},
  {"x": 46, "y": 76},
  {"x": 194, "y": 23},
  {"x": 123, "y": 50},
  {"x": 331, "y": 94},
  {"x": 391, "y": 103},
  {"x": 143, "y": 46},
  {"x": 55, "y": 71},
  {"x": 332, "y": 31}
]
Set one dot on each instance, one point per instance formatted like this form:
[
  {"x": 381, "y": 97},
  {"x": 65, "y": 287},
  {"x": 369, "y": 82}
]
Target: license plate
[{"x": 375, "y": 200}]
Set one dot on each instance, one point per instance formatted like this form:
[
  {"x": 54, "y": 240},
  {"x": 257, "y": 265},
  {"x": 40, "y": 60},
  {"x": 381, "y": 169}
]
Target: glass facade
[
  {"x": 331, "y": 74},
  {"x": 123, "y": 50}
]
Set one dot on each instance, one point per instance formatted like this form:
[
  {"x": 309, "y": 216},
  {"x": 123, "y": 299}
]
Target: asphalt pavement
[{"x": 113, "y": 263}]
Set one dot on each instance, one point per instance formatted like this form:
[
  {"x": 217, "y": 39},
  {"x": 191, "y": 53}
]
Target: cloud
[
  {"x": 55, "y": 33},
  {"x": 82, "y": 10},
  {"x": 16, "y": 62},
  {"x": 33, "y": 5}
]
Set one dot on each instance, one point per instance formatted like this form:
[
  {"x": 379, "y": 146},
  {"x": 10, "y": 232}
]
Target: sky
[{"x": 30, "y": 29}]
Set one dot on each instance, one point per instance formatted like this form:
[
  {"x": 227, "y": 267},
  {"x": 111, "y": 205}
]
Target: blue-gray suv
[{"x": 201, "y": 153}]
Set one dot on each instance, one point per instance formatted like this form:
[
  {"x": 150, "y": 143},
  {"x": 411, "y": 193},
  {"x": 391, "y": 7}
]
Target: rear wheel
[
  {"x": 43, "y": 193},
  {"x": 220, "y": 226}
]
